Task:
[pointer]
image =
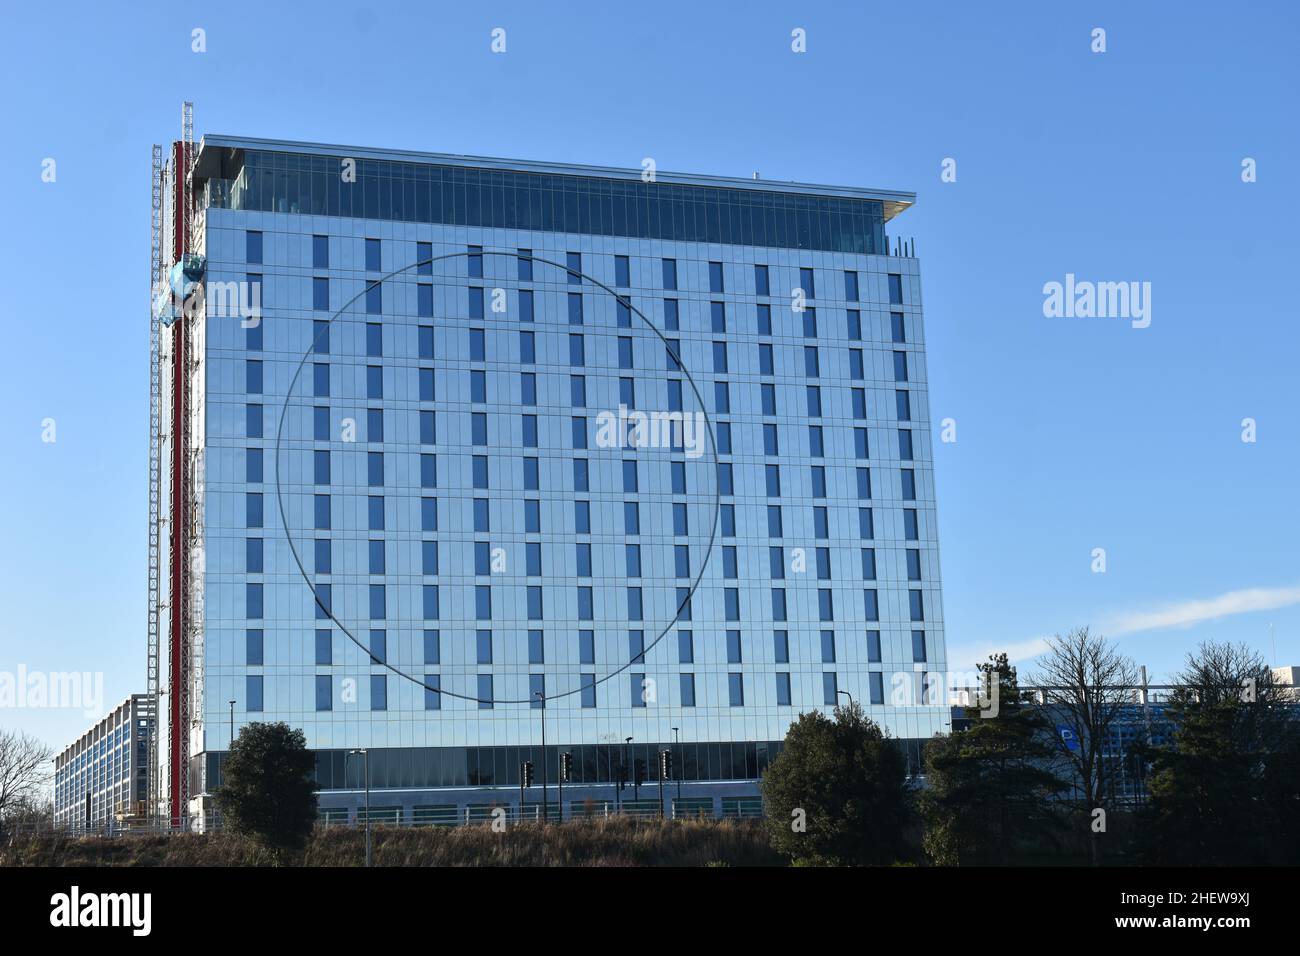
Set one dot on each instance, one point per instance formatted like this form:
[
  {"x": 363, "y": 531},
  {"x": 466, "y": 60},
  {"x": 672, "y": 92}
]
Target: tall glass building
[
  {"x": 637, "y": 456},
  {"x": 101, "y": 778}
]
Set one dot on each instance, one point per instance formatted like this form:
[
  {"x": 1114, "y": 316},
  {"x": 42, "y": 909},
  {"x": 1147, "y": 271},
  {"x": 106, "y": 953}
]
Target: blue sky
[{"x": 1072, "y": 433}]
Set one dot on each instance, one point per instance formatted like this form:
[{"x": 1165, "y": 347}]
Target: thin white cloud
[
  {"x": 967, "y": 656},
  {"x": 1185, "y": 614}
]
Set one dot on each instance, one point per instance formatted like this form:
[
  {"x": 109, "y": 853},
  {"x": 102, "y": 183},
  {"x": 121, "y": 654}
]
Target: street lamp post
[
  {"x": 542, "y": 696},
  {"x": 365, "y": 763},
  {"x": 677, "y": 764},
  {"x": 627, "y": 750},
  {"x": 661, "y": 784},
  {"x": 845, "y": 693},
  {"x": 231, "y": 748}
]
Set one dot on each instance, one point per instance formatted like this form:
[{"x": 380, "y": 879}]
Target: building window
[
  {"x": 372, "y": 255},
  {"x": 432, "y": 695},
  {"x": 253, "y": 639},
  {"x": 670, "y": 274},
  {"x": 895, "y": 289},
  {"x": 830, "y": 689},
  {"x": 686, "y": 683},
  {"x": 253, "y": 420},
  {"x": 622, "y": 272},
  {"x": 898, "y": 330},
  {"x": 324, "y": 692},
  {"x": 320, "y": 252},
  {"x": 640, "y": 690},
  {"x": 851, "y": 286},
  {"x": 253, "y": 247},
  {"x": 736, "y": 689},
  {"x": 685, "y": 647},
  {"x": 868, "y": 564},
  {"x": 253, "y": 693},
  {"x": 918, "y": 646},
  {"x": 537, "y": 691},
  {"x": 253, "y": 601},
  {"x": 253, "y": 555},
  {"x": 378, "y": 692},
  {"x": 783, "y": 689},
  {"x": 715, "y": 277},
  {"x": 807, "y": 284}
]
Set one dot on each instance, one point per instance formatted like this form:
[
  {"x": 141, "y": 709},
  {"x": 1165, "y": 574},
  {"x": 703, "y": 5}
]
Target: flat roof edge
[{"x": 895, "y": 201}]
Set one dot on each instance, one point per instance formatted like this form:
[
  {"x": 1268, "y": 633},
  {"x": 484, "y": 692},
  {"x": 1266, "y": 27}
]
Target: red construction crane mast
[{"x": 177, "y": 316}]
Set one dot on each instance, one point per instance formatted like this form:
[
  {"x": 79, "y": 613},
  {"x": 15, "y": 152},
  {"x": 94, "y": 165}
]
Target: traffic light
[
  {"x": 665, "y": 765},
  {"x": 566, "y": 767},
  {"x": 526, "y": 773}
]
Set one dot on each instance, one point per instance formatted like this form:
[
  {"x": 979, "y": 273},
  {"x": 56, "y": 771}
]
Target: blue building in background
[{"x": 644, "y": 456}]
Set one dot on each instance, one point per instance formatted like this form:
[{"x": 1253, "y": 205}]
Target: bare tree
[
  {"x": 1086, "y": 683},
  {"x": 1221, "y": 672},
  {"x": 1237, "y": 681},
  {"x": 24, "y": 771}
]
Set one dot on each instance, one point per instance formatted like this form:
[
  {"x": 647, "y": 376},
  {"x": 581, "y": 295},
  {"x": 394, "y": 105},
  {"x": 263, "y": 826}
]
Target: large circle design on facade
[{"x": 327, "y": 606}]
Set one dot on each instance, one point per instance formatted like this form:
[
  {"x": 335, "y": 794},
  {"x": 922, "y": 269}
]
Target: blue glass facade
[{"x": 456, "y": 477}]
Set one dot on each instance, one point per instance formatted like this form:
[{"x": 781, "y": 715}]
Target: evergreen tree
[
  {"x": 837, "y": 793},
  {"x": 1226, "y": 791},
  {"x": 267, "y": 790},
  {"x": 989, "y": 790}
]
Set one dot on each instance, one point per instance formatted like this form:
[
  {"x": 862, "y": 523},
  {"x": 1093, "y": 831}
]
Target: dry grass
[{"x": 603, "y": 842}]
